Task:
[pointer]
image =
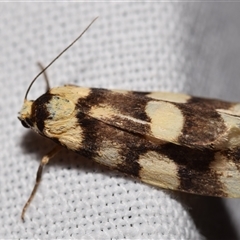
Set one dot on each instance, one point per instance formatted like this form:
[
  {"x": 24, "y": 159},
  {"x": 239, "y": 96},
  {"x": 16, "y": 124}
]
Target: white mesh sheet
[{"x": 136, "y": 46}]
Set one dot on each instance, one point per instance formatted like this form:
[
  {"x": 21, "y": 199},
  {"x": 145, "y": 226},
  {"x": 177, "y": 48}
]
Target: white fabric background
[{"x": 186, "y": 47}]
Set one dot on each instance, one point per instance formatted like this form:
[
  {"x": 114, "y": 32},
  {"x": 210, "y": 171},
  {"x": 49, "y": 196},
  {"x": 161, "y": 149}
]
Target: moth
[{"x": 170, "y": 140}]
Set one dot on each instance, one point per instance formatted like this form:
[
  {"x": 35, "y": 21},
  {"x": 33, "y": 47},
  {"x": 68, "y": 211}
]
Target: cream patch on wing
[
  {"x": 67, "y": 131},
  {"x": 108, "y": 154},
  {"x": 228, "y": 174},
  {"x": 59, "y": 108},
  {"x": 106, "y": 112},
  {"x": 158, "y": 170},
  {"x": 235, "y": 109},
  {"x": 167, "y": 120},
  {"x": 231, "y": 137},
  {"x": 120, "y": 91},
  {"x": 71, "y": 92},
  {"x": 170, "y": 97},
  {"x": 103, "y": 111}
]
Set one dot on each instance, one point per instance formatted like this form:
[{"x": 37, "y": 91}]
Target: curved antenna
[
  {"x": 45, "y": 75},
  {"x": 25, "y": 98}
]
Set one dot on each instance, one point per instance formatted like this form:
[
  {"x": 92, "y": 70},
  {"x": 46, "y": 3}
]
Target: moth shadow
[
  {"x": 210, "y": 216},
  {"x": 33, "y": 143}
]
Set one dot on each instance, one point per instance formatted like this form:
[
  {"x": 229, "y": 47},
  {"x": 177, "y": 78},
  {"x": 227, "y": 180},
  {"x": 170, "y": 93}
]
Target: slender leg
[
  {"x": 43, "y": 162},
  {"x": 45, "y": 75}
]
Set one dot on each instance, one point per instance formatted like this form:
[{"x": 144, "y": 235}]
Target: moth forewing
[{"x": 192, "y": 122}]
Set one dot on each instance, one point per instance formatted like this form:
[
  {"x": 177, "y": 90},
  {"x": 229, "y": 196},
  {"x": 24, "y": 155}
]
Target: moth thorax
[{"x": 59, "y": 108}]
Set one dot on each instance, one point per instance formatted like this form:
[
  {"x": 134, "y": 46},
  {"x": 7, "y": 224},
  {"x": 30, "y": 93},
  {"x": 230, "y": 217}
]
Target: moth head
[
  {"x": 34, "y": 112},
  {"x": 47, "y": 109},
  {"x": 25, "y": 114},
  {"x": 48, "y": 106}
]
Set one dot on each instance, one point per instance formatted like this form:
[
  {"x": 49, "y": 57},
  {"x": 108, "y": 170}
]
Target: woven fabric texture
[{"x": 134, "y": 46}]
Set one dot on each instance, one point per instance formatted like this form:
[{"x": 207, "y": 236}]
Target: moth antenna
[
  {"x": 44, "y": 69},
  {"x": 45, "y": 75}
]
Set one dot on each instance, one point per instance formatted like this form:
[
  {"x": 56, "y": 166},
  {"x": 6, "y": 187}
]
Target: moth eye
[
  {"x": 24, "y": 124},
  {"x": 29, "y": 122}
]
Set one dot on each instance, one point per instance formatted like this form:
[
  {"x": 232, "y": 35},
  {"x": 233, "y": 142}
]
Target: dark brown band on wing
[
  {"x": 96, "y": 133},
  {"x": 135, "y": 145},
  {"x": 39, "y": 110},
  {"x": 194, "y": 170},
  {"x": 212, "y": 103},
  {"x": 129, "y": 104},
  {"x": 203, "y": 124},
  {"x": 91, "y": 137},
  {"x": 140, "y": 93}
]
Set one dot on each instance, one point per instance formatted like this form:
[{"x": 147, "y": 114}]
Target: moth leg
[
  {"x": 45, "y": 75},
  {"x": 43, "y": 162}
]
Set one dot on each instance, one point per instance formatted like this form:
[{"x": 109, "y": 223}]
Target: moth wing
[
  {"x": 204, "y": 172},
  {"x": 168, "y": 117}
]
